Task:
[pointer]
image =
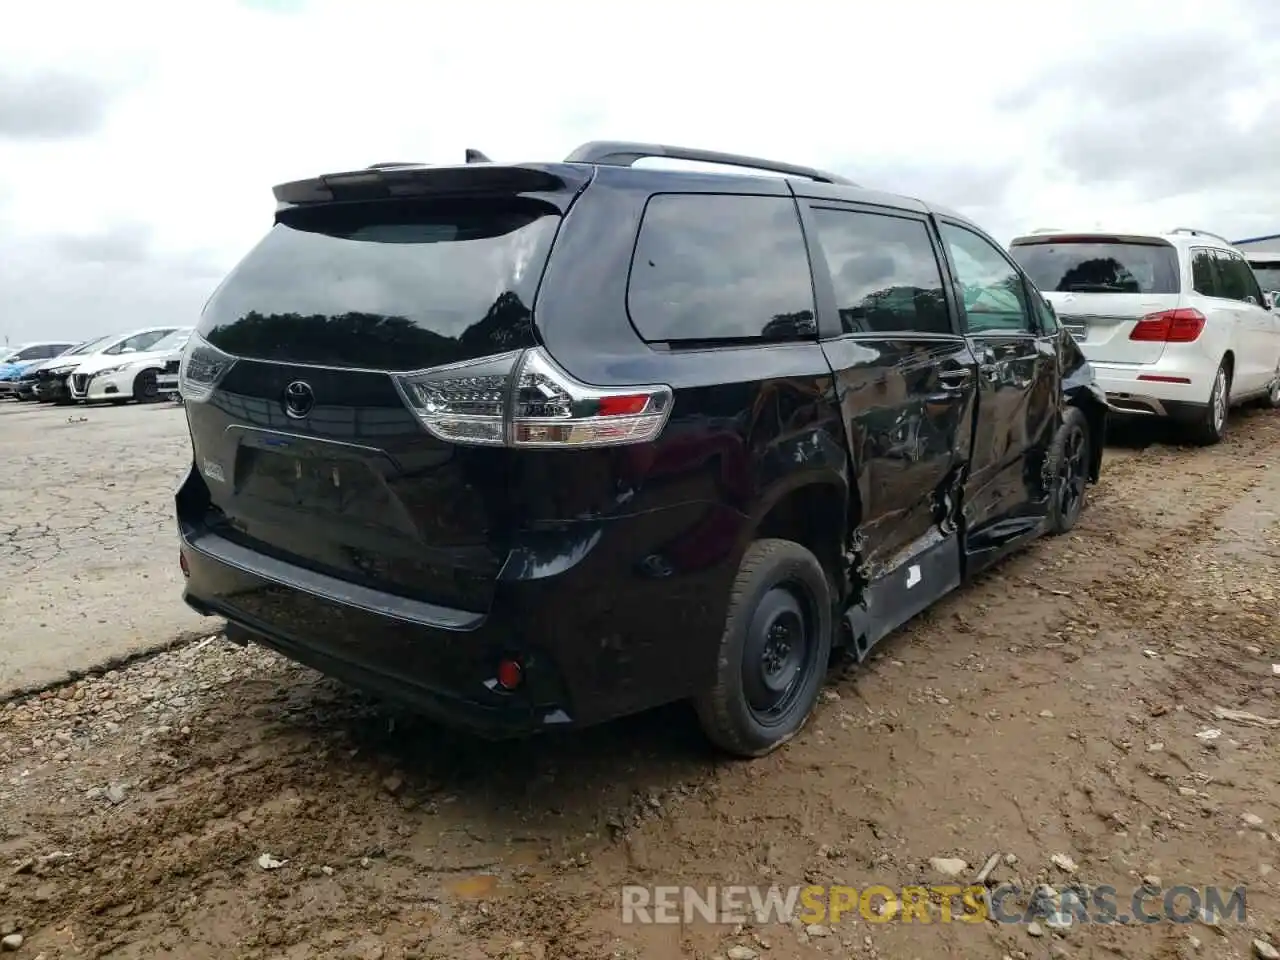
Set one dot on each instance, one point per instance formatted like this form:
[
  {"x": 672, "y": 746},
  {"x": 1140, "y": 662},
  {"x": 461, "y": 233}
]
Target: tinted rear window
[
  {"x": 387, "y": 286},
  {"x": 712, "y": 267},
  {"x": 1099, "y": 267}
]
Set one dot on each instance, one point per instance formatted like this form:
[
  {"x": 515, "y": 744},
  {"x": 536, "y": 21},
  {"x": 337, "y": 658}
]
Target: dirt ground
[{"x": 1062, "y": 706}]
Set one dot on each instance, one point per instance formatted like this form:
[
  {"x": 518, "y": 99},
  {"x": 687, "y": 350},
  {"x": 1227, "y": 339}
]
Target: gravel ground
[
  {"x": 213, "y": 801},
  {"x": 88, "y": 552}
]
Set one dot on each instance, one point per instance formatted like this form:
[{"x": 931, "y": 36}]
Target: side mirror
[
  {"x": 1273, "y": 299},
  {"x": 128, "y": 350}
]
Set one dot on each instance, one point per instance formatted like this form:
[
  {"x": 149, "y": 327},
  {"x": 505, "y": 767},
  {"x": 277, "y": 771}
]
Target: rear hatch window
[
  {"x": 1063, "y": 265},
  {"x": 387, "y": 285},
  {"x": 1102, "y": 287}
]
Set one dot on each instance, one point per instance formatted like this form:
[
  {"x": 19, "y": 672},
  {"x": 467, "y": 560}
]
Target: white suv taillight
[
  {"x": 201, "y": 369},
  {"x": 522, "y": 399}
]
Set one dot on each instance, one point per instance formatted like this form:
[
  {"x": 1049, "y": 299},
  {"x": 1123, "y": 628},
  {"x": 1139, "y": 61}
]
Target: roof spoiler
[
  {"x": 388, "y": 181},
  {"x": 472, "y": 156}
]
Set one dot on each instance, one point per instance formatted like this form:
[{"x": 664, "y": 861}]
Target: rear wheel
[
  {"x": 1211, "y": 426},
  {"x": 1070, "y": 457},
  {"x": 1272, "y": 400},
  {"x": 774, "y": 651}
]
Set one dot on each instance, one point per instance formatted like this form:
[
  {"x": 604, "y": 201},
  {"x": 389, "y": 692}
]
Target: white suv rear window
[{"x": 1063, "y": 265}]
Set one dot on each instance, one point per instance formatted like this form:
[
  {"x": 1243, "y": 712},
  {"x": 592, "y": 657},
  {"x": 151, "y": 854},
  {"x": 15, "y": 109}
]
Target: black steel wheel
[{"x": 774, "y": 651}]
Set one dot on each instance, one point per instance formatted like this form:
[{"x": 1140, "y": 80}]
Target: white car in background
[
  {"x": 128, "y": 368},
  {"x": 167, "y": 378},
  {"x": 1174, "y": 324}
]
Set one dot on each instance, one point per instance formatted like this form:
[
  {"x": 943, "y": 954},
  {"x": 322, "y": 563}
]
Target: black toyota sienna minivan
[{"x": 535, "y": 445}]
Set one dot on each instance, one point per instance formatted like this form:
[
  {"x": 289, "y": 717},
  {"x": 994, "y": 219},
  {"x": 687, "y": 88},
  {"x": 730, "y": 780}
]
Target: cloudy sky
[{"x": 139, "y": 140}]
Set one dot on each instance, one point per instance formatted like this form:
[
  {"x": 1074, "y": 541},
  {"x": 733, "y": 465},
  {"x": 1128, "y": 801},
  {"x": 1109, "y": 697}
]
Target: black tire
[
  {"x": 779, "y": 607},
  {"x": 145, "y": 387},
  {"x": 1271, "y": 401},
  {"x": 1069, "y": 459},
  {"x": 1211, "y": 426}
]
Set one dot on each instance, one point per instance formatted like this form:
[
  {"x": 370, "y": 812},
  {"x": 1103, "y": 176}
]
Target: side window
[
  {"x": 144, "y": 341},
  {"x": 1204, "y": 273},
  {"x": 994, "y": 297},
  {"x": 138, "y": 342},
  {"x": 718, "y": 267},
  {"x": 884, "y": 270},
  {"x": 1234, "y": 283}
]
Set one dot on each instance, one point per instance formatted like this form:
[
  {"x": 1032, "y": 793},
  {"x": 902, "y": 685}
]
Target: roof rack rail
[
  {"x": 391, "y": 164},
  {"x": 1202, "y": 233},
  {"x": 621, "y": 153}
]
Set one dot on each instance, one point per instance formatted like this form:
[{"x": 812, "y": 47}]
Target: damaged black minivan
[{"x": 535, "y": 445}]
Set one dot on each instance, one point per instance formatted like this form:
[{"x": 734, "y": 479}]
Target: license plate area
[
  {"x": 310, "y": 477},
  {"x": 289, "y": 480}
]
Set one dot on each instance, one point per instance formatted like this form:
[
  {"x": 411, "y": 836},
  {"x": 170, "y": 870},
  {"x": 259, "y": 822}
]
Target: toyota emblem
[{"x": 298, "y": 399}]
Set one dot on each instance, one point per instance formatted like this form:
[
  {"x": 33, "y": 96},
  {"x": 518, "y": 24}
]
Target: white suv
[{"x": 1174, "y": 324}]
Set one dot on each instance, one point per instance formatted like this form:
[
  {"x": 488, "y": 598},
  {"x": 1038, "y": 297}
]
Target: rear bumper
[
  {"x": 599, "y": 634},
  {"x": 1157, "y": 389}
]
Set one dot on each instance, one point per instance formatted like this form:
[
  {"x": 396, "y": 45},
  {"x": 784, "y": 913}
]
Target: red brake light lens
[
  {"x": 1169, "y": 326},
  {"x": 623, "y": 406},
  {"x": 510, "y": 674},
  {"x": 523, "y": 399}
]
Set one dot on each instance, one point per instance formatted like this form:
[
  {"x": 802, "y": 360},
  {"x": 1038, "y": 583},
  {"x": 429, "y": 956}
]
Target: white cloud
[{"x": 1018, "y": 114}]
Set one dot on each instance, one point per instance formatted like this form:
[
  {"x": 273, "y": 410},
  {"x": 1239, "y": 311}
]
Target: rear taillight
[
  {"x": 201, "y": 369},
  {"x": 1169, "y": 326},
  {"x": 522, "y": 399}
]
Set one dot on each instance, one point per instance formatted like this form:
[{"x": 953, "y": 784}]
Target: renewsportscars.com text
[{"x": 938, "y": 903}]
